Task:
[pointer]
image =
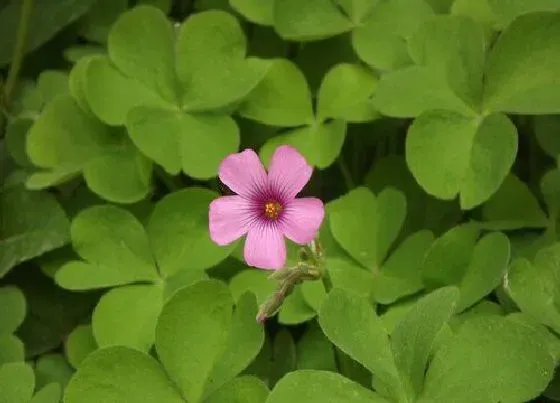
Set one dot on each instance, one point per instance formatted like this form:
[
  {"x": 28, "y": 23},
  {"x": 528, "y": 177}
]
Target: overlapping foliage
[{"x": 433, "y": 127}]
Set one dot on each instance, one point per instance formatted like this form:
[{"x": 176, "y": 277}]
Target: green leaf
[
  {"x": 507, "y": 11},
  {"x": 211, "y": 63},
  {"x": 66, "y": 140},
  {"x": 282, "y": 98},
  {"x": 320, "y": 387},
  {"x": 32, "y": 223},
  {"x": 315, "y": 351},
  {"x": 127, "y": 316},
  {"x": 97, "y": 23},
  {"x": 79, "y": 344},
  {"x": 177, "y": 141},
  {"x": 245, "y": 340},
  {"x": 127, "y": 376},
  {"x": 488, "y": 265},
  {"x": 11, "y": 349},
  {"x": 295, "y": 309},
  {"x": 50, "y": 368},
  {"x": 16, "y": 382},
  {"x": 45, "y": 21},
  {"x": 550, "y": 186},
  {"x": 352, "y": 325},
  {"x": 313, "y": 293},
  {"x": 414, "y": 337},
  {"x": 482, "y": 349},
  {"x": 179, "y": 236},
  {"x": 141, "y": 45},
  {"x": 381, "y": 41},
  {"x": 16, "y": 135},
  {"x": 349, "y": 275},
  {"x": 534, "y": 286},
  {"x": 319, "y": 143},
  {"x": 245, "y": 389},
  {"x": 513, "y": 206},
  {"x": 257, "y": 11},
  {"x": 345, "y": 94},
  {"x": 191, "y": 332},
  {"x": 309, "y": 21},
  {"x": 254, "y": 281},
  {"x": 365, "y": 226},
  {"x": 51, "y": 393},
  {"x": 451, "y": 155},
  {"x": 515, "y": 83},
  {"x": 12, "y": 309},
  {"x": 356, "y": 10},
  {"x": 401, "y": 274},
  {"x": 115, "y": 248}
]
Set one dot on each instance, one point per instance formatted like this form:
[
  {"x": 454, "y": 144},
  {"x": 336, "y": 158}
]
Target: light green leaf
[
  {"x": 211, "y": 64},
  {"x": 44, "y": 23},
  {"x": 452, "y": 155},
  {"x": 254, "y": 281},
  {"x": 482, "y": 349},
  {"x": 357, "y": 10},
  {"x": 15, "y": 138},
  {"x": 313, "y": 293},
  {"x": 349, "y": 275},
  {"x": 534, "y": 286},
  {"x": 515, "y": 81},
  {"x": 245, "y": 389},
  {"x": 191, "y": 332},
  {"x": 365, "y": 226},
  {"x": 111, "y": 94},
  {"x": 401, "y": 275},
  {"x": 320, "y": 144},
  {"x": 11, "y": 349},
  {"x": 381, "y": 41},
  {"x": 320, "y": 387},
  {"x": 32, "y": 223},
  {"x": 507, "y": 11},
  {"x": 79, "y": 344},
  {"x": 141, "y": 45},
  {"x": 12, "y": 309},
  {"x": 51, "y": 393},
  {"x": 295, "y": 309},
  {"x": 16, "y": 383},
  {"x": 127, "y": 376},
  {"x": 127, "y": 316},
  {"x": 487, "y": 267},
  {"x": 215, "y": 137},
  {"x": 345, "y": 94},
  {"x": 513, "y": 206},
  {"x": 179, "y": 235},
  {"x": 315, "y": 351},
  {"x": 257, "y": 11},
  {"x": 309, "y": 21},
  {"x": 115, "y": 248},
  {"x": 245, "y": 339},
  {"x": 77, "y": 82},
  {"x": 353, "y": 326},
  {"x": 282, "y": 98},
  {"x": 414, "y": 337}
]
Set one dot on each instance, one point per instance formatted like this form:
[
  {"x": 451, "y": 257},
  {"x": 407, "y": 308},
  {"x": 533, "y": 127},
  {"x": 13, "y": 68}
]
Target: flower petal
[
  {"x": 302, "y": 219},
  {"x": 288, "y": 172},
  {"x": 229, "y": 219},
  {"x": 265, "y": 247},
  {"x": 243, "y": 173}
]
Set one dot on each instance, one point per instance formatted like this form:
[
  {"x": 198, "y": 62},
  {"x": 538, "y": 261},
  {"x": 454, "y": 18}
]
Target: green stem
[
  {"x": 19, "y": 51},
  {"x": 346, "y": 172}
]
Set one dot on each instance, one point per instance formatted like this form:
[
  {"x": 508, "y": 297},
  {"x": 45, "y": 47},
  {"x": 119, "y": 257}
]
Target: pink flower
[{"x": 265, "y": 207}]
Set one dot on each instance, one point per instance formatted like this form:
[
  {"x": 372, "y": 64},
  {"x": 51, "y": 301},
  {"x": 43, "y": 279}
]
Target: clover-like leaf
[
  {"x": 32, "y": 223},
  {"x": 17, "y": 382},
  {"x": 257, "y": 11},
  {"x": 514, "y": 83},
  {"x": 472, "y": 162},
  {"x": 128, "y": 376},
  {"x": 351, "y": 276},
  {"x": 350, "y": 322},
  {"x": 66, "y": 141},
  {"x": 534, "y": 286},
  {"x": 482, "y": 347},
  {"x": 12, "y": 309},
  {"x": 246, "y": 389},
  {"x": 79, "y": 344},
  {"x": 115, "y": 249},
  {"x": 315, "y": 351},
  {"x": 295, "y": 309},
  {"x": 178, "y": 231},
  {"x": 321, "y": 387},
  {"x": 546, "y": 129}
]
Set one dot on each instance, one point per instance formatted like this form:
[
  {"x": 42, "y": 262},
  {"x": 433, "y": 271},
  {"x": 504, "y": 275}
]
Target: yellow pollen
[{"x": 272, "y": 210}]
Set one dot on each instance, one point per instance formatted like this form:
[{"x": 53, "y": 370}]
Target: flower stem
[
  {"x": 346, "y": 172},
  {"x": 19, "y": 51}
]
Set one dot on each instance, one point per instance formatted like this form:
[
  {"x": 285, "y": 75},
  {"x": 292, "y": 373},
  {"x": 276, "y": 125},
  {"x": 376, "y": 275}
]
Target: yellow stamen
[{"x": 272, "y": 210}]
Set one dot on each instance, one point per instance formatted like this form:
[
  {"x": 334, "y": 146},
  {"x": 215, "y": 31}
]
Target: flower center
[{"x": 272, "y": 210}]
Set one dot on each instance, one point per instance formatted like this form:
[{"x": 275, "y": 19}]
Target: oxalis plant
[{"x": 279, "y": 201}]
